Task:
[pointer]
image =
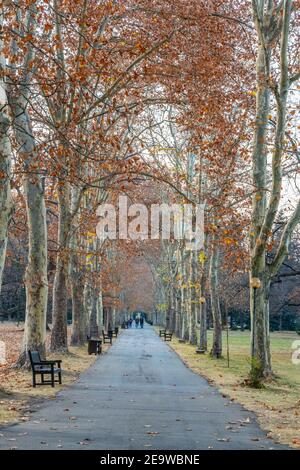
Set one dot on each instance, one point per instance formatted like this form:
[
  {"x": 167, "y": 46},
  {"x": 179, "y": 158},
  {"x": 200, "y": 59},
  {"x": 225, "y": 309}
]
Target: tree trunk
[
  {"x": 36, "y": 273},
  {"x": 265, "y": 210},
  {"x": 193, "y": 299},
  {"x": 59, "y": 340},
  {"x": 100, "y": 306},
  {"x": 177, "y": 311},
  {"x": 93, "y": 324},
  {"x": 184, "y": 304},
  {"x": 173, "y": 308},
  {"x": 260, "y": 337},
  {"x": 258, "y": 309},
  {"x": 203, "y": 315},
  {"x": 216, "y": 350},
  {"x": 78, "y": 337},
  {"x": 5, "y": 162},
  {"x": 203, "y": 327},
  {"x": 5, "y": 192}
]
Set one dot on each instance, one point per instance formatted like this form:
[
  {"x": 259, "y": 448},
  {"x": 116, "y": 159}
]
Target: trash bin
[{"x": 94, "y": 346}]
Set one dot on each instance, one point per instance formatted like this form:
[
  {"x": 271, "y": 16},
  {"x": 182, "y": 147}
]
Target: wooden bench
[
  {"x": 114, "y": 333},
  {"x": 43, "y": 368},
  {"x": 162, "y": 333},
  {"x": 107, "y": 337},
  {"x": 168, "y": 336}
]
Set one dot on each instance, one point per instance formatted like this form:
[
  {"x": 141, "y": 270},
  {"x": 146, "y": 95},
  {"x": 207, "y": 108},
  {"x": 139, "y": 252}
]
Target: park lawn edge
[{"x": 280, "y": 423}]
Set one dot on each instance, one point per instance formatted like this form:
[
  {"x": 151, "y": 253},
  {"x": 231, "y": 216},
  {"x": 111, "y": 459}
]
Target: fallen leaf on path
[
  {"x": 83, "y": 443},
  {"x": 152, "y": 433},
  {"x": 247, "y": 420}
]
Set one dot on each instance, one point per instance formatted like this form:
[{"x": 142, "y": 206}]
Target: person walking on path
[
  {"x": 142, "y": 322},
  {"x": 137, "y": 321}
]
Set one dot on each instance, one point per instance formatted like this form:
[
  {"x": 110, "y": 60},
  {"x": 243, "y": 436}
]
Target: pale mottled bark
[
  {"x": 5, "y": 190},
  {"x": 216, "y": 350},
  {"x": 172, "y": 308},
  {"x": 100, "y": 307},
  {"x": 36, "y": 282},
  {"x": 184, "y": 334},
  {"x": 177, "y": 312},
  {"x": 93, "y": 325},
  {"x": 5, "y": 165},
  {"x": 271, "y": 24},
  {"x": 193, "y": 299},
  {"x": 78, "y": 336},
  {"x": 88, "y": 300},
  {"x": 203, "y": 315},
  {"x": 60, "y": 285},
  {"x": 79, "y": 333},
  {"x": 113, "y": 317}
]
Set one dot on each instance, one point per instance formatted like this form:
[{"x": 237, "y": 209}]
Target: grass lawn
[
  {"x": 278, "y": 404},
  {"x": 16, "y": 392}
]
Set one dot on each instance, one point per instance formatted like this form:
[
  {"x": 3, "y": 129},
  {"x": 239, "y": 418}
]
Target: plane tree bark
[
  {"x": 5, "y": 161},
  {"x": 36, "y": 281},
  {"x": 272, "y": 23},
  {"x": 216, "y": 350}
]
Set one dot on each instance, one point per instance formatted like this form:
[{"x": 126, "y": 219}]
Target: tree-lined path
[{"x": 138, "y": 396}]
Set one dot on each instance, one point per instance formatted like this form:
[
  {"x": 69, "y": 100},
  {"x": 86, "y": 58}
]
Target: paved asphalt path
[{"x": 138, "y": 396}]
